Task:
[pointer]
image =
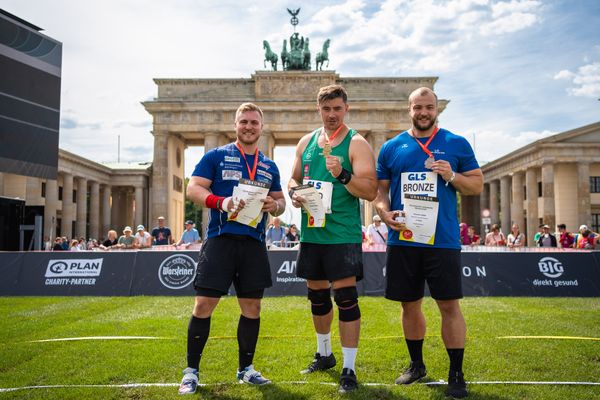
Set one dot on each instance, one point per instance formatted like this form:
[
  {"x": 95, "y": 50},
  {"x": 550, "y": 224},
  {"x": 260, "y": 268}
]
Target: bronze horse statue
[
  {"x": 323, "y": 56},
  {"x": 269, "y": 56},
  {"x": 285, "y": 62}
]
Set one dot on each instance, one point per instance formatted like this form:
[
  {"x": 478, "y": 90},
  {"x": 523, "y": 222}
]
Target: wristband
[
  {"x": 344, "y": 176},
  {"x": 213, "y": 201},
  {"x": 451, "y": 178},
  {"x": 275, "y": 213}
]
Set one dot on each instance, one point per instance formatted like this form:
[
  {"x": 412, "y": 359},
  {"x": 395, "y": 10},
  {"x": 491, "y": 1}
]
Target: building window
[
  {"x": 595, "y": 185},
  {"x": 595, "y": 222},
  {"x": 524, "y": 192},
  {"x": 539, "y": 189},
  {"x": 74, "y": 196},
  {"x": 60, "y": 193},
  {"x": 44, "y": 189}
]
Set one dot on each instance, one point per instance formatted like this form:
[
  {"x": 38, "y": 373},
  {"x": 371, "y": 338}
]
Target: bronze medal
[
  {"x": 429, "y": 162},
  {"x": 327, "y": 149}
]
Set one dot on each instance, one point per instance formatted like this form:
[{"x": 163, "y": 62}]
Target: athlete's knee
[
  {"x": 320, "y": 301},
  {"x": 346, "y": 299}
]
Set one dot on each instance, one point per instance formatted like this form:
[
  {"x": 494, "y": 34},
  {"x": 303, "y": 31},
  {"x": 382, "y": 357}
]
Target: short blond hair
[
  {"x": 332, "y": 92},
  {"x": 248, "y": 107},
  {"x": 422, "y": 91}
]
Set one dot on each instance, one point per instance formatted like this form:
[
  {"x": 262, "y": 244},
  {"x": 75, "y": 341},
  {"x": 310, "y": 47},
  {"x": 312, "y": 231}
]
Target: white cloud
[
  {"x": 486, "y": 142},
  {"x": 586, "y": 80}
]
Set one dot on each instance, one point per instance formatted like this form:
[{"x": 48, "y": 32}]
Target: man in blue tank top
[
  {"x": 234, "y": 252},
  {"x": 419, "y": 172}
]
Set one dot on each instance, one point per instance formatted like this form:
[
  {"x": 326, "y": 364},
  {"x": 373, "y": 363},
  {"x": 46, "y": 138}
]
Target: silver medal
[{"x": 429, "y": 162}]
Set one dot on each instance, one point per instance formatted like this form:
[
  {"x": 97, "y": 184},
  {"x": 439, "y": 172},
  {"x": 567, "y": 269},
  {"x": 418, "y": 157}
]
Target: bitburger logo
[{"x": 177, "y": 271}]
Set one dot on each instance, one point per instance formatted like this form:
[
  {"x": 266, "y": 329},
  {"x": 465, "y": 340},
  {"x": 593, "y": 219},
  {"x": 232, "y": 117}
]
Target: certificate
[
  {"x": 252, "y": 192},
  {"x": 325, "y": 189},
  {"x": 313, "y": 205},
  {"x": 421, "y": 219}
]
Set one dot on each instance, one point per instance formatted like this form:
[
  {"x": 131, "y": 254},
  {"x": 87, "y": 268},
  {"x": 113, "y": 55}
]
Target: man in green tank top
[{"x": 339, "y": 163}]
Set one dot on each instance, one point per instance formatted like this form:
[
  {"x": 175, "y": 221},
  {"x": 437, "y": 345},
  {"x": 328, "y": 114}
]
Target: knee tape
[
  {"x": 320, "y": 301},
  {"x": 347, "y": 301}
]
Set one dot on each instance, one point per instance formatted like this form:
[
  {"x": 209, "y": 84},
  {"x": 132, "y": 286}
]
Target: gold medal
[
  {"x": 429, "y": 162},
  {"x": 327, "y": 149}
]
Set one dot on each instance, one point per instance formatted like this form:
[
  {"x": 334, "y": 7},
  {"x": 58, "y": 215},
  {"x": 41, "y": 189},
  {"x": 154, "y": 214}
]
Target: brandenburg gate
[{"x": 201, "y": 112}]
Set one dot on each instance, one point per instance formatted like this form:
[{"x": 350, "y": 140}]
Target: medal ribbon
[
  {"x": 329, "y": 139},
  {"x": 424, "y": 146},
  {"x": 252, "y": 172}
]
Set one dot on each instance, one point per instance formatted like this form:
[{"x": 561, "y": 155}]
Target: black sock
[
  {"x": 456, "y": 359},
  {"x": 415, "y": 349},
  {"x": 247, "y": 335},
  {"x": 198, "y": 330}
]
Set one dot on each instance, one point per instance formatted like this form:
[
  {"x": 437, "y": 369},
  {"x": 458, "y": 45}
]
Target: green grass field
[{"x": 286, "y": 346}]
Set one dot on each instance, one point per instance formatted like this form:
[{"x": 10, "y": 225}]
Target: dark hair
[
  {"x": 332, "y": 92},
  {"x": 562, "y": 226},
  {"x": 541, "y": 225}
]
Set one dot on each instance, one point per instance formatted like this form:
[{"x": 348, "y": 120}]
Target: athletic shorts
[
  {"x": 407, "y": 269},
  {"x": 329, "y": 262},
  {"x": 237, "y": 259}
]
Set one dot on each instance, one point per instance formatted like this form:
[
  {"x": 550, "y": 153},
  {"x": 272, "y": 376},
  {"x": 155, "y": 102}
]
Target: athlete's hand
[
  {"x": 333, "y": 165},
  {"x": 297, "y": 200},
  {"x": 389, "y": 218},
  {"x": 270, "y": 205},
  {"x": 231, "y": 204},
  {"x": 443, "y": 168}
]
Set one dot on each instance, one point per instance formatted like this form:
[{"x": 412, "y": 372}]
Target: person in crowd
[
  {"x": 58, "y": 244},
  {"x": 82, "y": 244},
  {"x": 585, "y": 239},
  {"x": 190, "y": 235},
  {"x": 142, "y": 239},
  {"x": 432, "y": 255},
  {"x": 276, "y": 234},
  {"x": 111, "y": 240},
  {"x": 127, "y": 240},
  {"x": 495, "y": 237},
  {"x": 292, "y": 238},
  {"x": 565, "y": 239},
  {"x": 233, "y": 252},
  {"x": 65, "y": 243},
  {"x": 473, "y": 237},
  {"x": 340, "y": 164},
  {"x": 47, "y": 243},
  {"x": 161, "y": 235},
  {"x": 377, "y": 233},
  {"x": 516, "y": 238},
  {"x": 546, "y": 239},
  {"x": 464, "y": 234},
  {"x": 537, "y": 235},
  {"x": 74, "y": 246}
]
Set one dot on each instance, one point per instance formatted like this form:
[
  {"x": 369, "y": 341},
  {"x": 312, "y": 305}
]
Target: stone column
[
  {"x": 517, "y": 201},
  {"x": 484, "y": 201},
  {"x": 50, "y": 208},
  {"x": 531, "y": 205},
  {"x": 266, "y": 143},
  {"x": 379, "y": 138},
  {"x": 94, "y": 210},
  {"x": 160, "y": 180},
  {"x": 548, "y": 212},
  {"x": 584, "y": 210},
  {"x": 494, "y": 200},
  {"x": 81, "y": 224},
  {"x": 129, "y": 216},
  {"x": 106, "y": 222},
  {"x": 139, "y": 206},
  {"x": 211, "y": 140},
  {"x": 68, "y": 214},
  {"x": 505, "y": 204}
]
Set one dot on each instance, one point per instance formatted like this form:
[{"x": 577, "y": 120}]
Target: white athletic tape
[
  {"x": 139, "y": 385},
  {"x": 101, "y": 338}
]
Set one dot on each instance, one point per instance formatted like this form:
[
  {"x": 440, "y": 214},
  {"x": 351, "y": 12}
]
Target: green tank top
[{"x": 343, "y": 224}]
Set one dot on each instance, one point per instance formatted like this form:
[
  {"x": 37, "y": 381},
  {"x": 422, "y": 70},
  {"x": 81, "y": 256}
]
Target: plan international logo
[{"x": 73, "y": 272}]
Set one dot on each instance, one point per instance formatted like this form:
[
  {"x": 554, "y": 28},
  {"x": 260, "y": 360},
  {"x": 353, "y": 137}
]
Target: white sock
[
  {"x": 324, "y": 344},
  {"x": 349, "y": 357}
]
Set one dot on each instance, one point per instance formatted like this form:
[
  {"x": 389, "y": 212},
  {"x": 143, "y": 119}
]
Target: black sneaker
[
  {"x": 320, "y": 363},
  {"x": 457, "y": 386},
  {"x": 348, "y": 381},
  {"x": 412, "y": 373}
]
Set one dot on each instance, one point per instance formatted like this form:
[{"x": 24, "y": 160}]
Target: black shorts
[
  {"x": 329, "y": 262},
  {"x": 237, "y": 259},
  {"x": 407, "y": 269}
]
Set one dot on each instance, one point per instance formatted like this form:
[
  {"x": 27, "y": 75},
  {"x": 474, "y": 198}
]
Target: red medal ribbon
[
  {"x": 329, "y": 139},
  {"x": 424, "y": 146},
  {"x": 253, "y": 172}
]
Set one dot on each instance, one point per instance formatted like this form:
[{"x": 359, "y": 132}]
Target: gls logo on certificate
[
  {"x": 325, "y": 189},
  {"x": 419, "y": 183}
]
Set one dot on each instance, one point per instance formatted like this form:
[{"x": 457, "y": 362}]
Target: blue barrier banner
[
  {"x": 10, "y": 266},
  {"x": 164, "y": 273}
]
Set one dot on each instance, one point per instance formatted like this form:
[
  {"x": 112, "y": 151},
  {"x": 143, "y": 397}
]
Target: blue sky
[{"x": 514, "y": 71}]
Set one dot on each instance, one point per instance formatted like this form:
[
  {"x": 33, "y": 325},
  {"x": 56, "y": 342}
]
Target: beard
[{"x": 422, "y": 124}]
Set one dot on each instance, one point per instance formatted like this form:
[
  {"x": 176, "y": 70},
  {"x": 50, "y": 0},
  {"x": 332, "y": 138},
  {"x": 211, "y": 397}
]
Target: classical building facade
[
  {"x": 201, "y": 112},
  {"x": 551, "y": 181},
  {"x": 87, "y": 198}
]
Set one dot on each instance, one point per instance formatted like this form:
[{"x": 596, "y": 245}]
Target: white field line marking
[
  {"x": 549, "y": 337},
  {"x": 101, "y": 338},
  {"x": 138, "y": 385}
]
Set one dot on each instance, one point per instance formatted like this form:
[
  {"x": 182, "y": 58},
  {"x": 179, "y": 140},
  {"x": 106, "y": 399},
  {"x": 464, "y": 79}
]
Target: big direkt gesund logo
[
  {"x": 551, "y": 267},
  {"x": 177, "y": 271}
]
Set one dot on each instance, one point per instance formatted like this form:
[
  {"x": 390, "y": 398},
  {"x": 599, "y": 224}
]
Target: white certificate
[
  {"x": 325, "y": 189},
  {"x": 313, "y": 205},
  {"x": 421, "y": 219},
  {"x": 252, "y": 192}
]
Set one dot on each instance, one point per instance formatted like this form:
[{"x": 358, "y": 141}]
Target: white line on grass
[
  {"x": 138, "y": 385},
  {"x": 101, "y": 338}
]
